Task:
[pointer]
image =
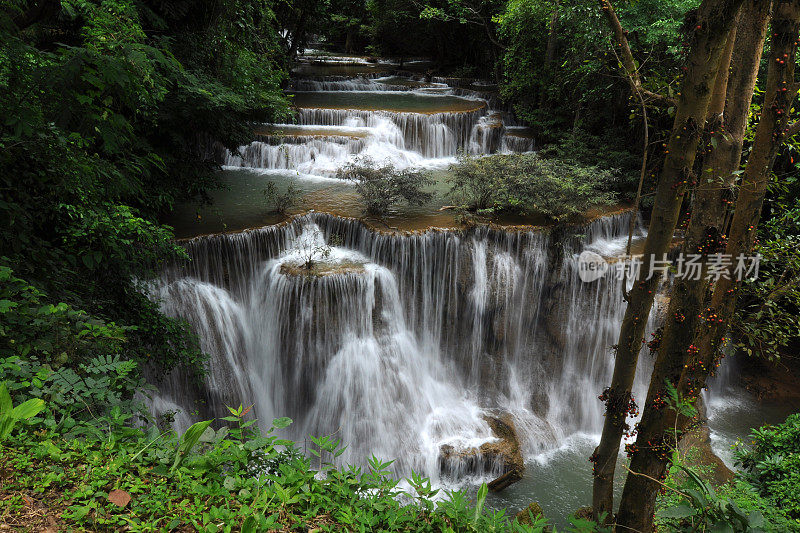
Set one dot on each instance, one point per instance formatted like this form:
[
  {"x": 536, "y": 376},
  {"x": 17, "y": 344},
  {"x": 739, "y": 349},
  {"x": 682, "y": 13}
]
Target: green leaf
[
  {"x": 482, "y": 492},
  {"x": 5, "y": 400},
  {"x": 682, "y": 510},
  {"x": 721, "y": 527},
  {"x": 280, "y": 423},
  {"x": 189, "y": 439},
  {"x": 28, "y": 409},
  {"x": 249, "y": 525}
]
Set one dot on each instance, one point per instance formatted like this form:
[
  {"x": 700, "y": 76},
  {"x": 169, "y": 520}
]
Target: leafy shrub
[
  {"x": 765, "y": 322},
  {"x": 689, "y": 503},
  {"x": 700, "y": 508},
  {"x": 11, "y": 414},
  {"x": 771, "y": 463},
  {"x": 528, "y": 184},
  {"x": 382, "y": 188},
  {"x": 282, "y": 202},
  {"x": 610, "y": 152},
  {"x": 233, "y": 478},
  {"x": 33, "y": 327}
]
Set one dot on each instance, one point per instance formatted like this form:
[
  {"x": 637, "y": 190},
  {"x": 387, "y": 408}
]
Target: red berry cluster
[{"x": 655, "y": 342}]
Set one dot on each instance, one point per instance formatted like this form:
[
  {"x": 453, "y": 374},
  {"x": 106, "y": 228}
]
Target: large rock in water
[
  {"x": 696, "y": 446},
  {"x": 505, "y": 451}
]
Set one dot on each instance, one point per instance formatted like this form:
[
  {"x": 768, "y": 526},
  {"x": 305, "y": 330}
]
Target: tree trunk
[
  {"x": 779, "y": 94},
  {"x": 348, "y": 43},
  {"x": 297, "y": 35},
  {"x": 650, "y": 454},
  {"x": 552, "y": 38},
  {"x": 715, "y": 18}
]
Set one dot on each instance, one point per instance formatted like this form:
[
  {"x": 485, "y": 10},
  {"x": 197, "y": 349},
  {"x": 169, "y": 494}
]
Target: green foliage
[
  {"x": 690, "y": 503},
  {"x": 771, "y": 463},
  {"x": 382, "y": 188},
  {"x": 610, "y": 152},
  {"x": 765, "y": 322},
  {"x": 528, "y": 184},
  {"x": 31, "y": 327},
  {"x": 703, "y": 510},
  {"x": 230, "y": 478},
  {"x": 282, "y": 202},
  {"x": 109, "y": 113},
  {"x": 581, "y": 85},
  {"x": 10, "y": 414}
]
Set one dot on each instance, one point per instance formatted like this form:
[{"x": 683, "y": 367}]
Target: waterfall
[
  {"x": 433, "y": 135},
  {"x": 516, "y": 143},
  {"x": 334, "y": 137},
  {"x": 305, "y": 153},
  {"x": 400, "y": 344}
]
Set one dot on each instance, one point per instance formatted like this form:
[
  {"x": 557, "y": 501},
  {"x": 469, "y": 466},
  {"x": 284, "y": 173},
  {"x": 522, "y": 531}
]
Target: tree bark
[
  {"x": 552, "y": 38},
  {"x": 771, "y": 131},
  {"x": 651, "y": 453},
  {"x": 715, "y": 18}
]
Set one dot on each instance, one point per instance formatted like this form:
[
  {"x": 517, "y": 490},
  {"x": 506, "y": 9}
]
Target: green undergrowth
[
  {"x": 234, "y": 478},
  {"x": 697, "y": 505}
]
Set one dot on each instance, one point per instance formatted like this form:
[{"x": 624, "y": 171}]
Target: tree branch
[
  {"x": 626, "y": 57},
  {"x": 792, "y": 130}
]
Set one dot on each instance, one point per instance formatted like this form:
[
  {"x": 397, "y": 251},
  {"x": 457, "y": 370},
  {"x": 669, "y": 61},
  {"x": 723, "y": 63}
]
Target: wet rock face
[
  {"x": 503, "y": 456},
  {"x": 507, "y": 448},
  {"x": 696, "y": 447}
]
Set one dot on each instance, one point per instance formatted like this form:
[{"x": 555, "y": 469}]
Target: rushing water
[
  {"x": 390, "y": 119},
  {"x": 401, "y": 343}
]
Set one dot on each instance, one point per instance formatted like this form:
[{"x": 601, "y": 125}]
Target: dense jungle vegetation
[{"x": 112, "y": 113}]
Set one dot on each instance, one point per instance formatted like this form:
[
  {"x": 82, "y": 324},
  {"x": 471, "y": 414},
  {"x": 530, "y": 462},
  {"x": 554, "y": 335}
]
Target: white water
[
  {"x": 407, "y": 349},
  {"x": 404, "y": 139}
]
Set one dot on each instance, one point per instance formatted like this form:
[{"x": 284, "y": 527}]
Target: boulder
[
  {"x": 585, "y": 513},
  {"x": 699, "y": 440},
  {"x": 524, "y": 516},
  {"x": 505, "y": 452},
  {"x": 506, "y": 448}
]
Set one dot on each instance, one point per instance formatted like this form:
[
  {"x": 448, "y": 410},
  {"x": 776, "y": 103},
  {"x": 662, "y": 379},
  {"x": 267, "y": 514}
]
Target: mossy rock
[
  {"x": 585, "y": 513},
  {"x": 321, "y": 269},
  {"x": 524, "y": 516}
]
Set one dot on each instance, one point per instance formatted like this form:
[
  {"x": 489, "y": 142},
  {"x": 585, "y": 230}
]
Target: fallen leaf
[{"x": 119, "y": 497}]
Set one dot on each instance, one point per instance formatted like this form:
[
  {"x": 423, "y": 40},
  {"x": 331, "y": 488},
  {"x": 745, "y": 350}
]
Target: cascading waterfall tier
[
  {"x": 433, "y": 135},
  {"x": 304, "y": 153},
  {"x": 418, "y": 123},
  {"x": 400, "y": 344}
]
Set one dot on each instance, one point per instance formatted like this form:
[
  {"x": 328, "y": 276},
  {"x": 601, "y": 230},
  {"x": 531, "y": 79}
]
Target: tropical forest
[{"x": 439, "y": 266}]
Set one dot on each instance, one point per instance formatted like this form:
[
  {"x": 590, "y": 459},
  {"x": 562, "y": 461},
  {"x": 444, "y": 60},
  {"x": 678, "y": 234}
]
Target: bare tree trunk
[
  {"x": 715, "y": 18},
  {"x": 771, "y": 131},
  {"x": 650, "y": 454}
]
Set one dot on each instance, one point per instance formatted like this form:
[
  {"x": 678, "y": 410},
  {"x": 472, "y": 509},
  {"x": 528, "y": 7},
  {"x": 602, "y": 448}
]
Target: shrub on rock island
[{"x": 528, "y": 184}]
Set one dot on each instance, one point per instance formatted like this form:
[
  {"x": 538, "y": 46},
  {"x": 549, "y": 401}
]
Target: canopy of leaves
[{"x": 110, "y": 112}]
